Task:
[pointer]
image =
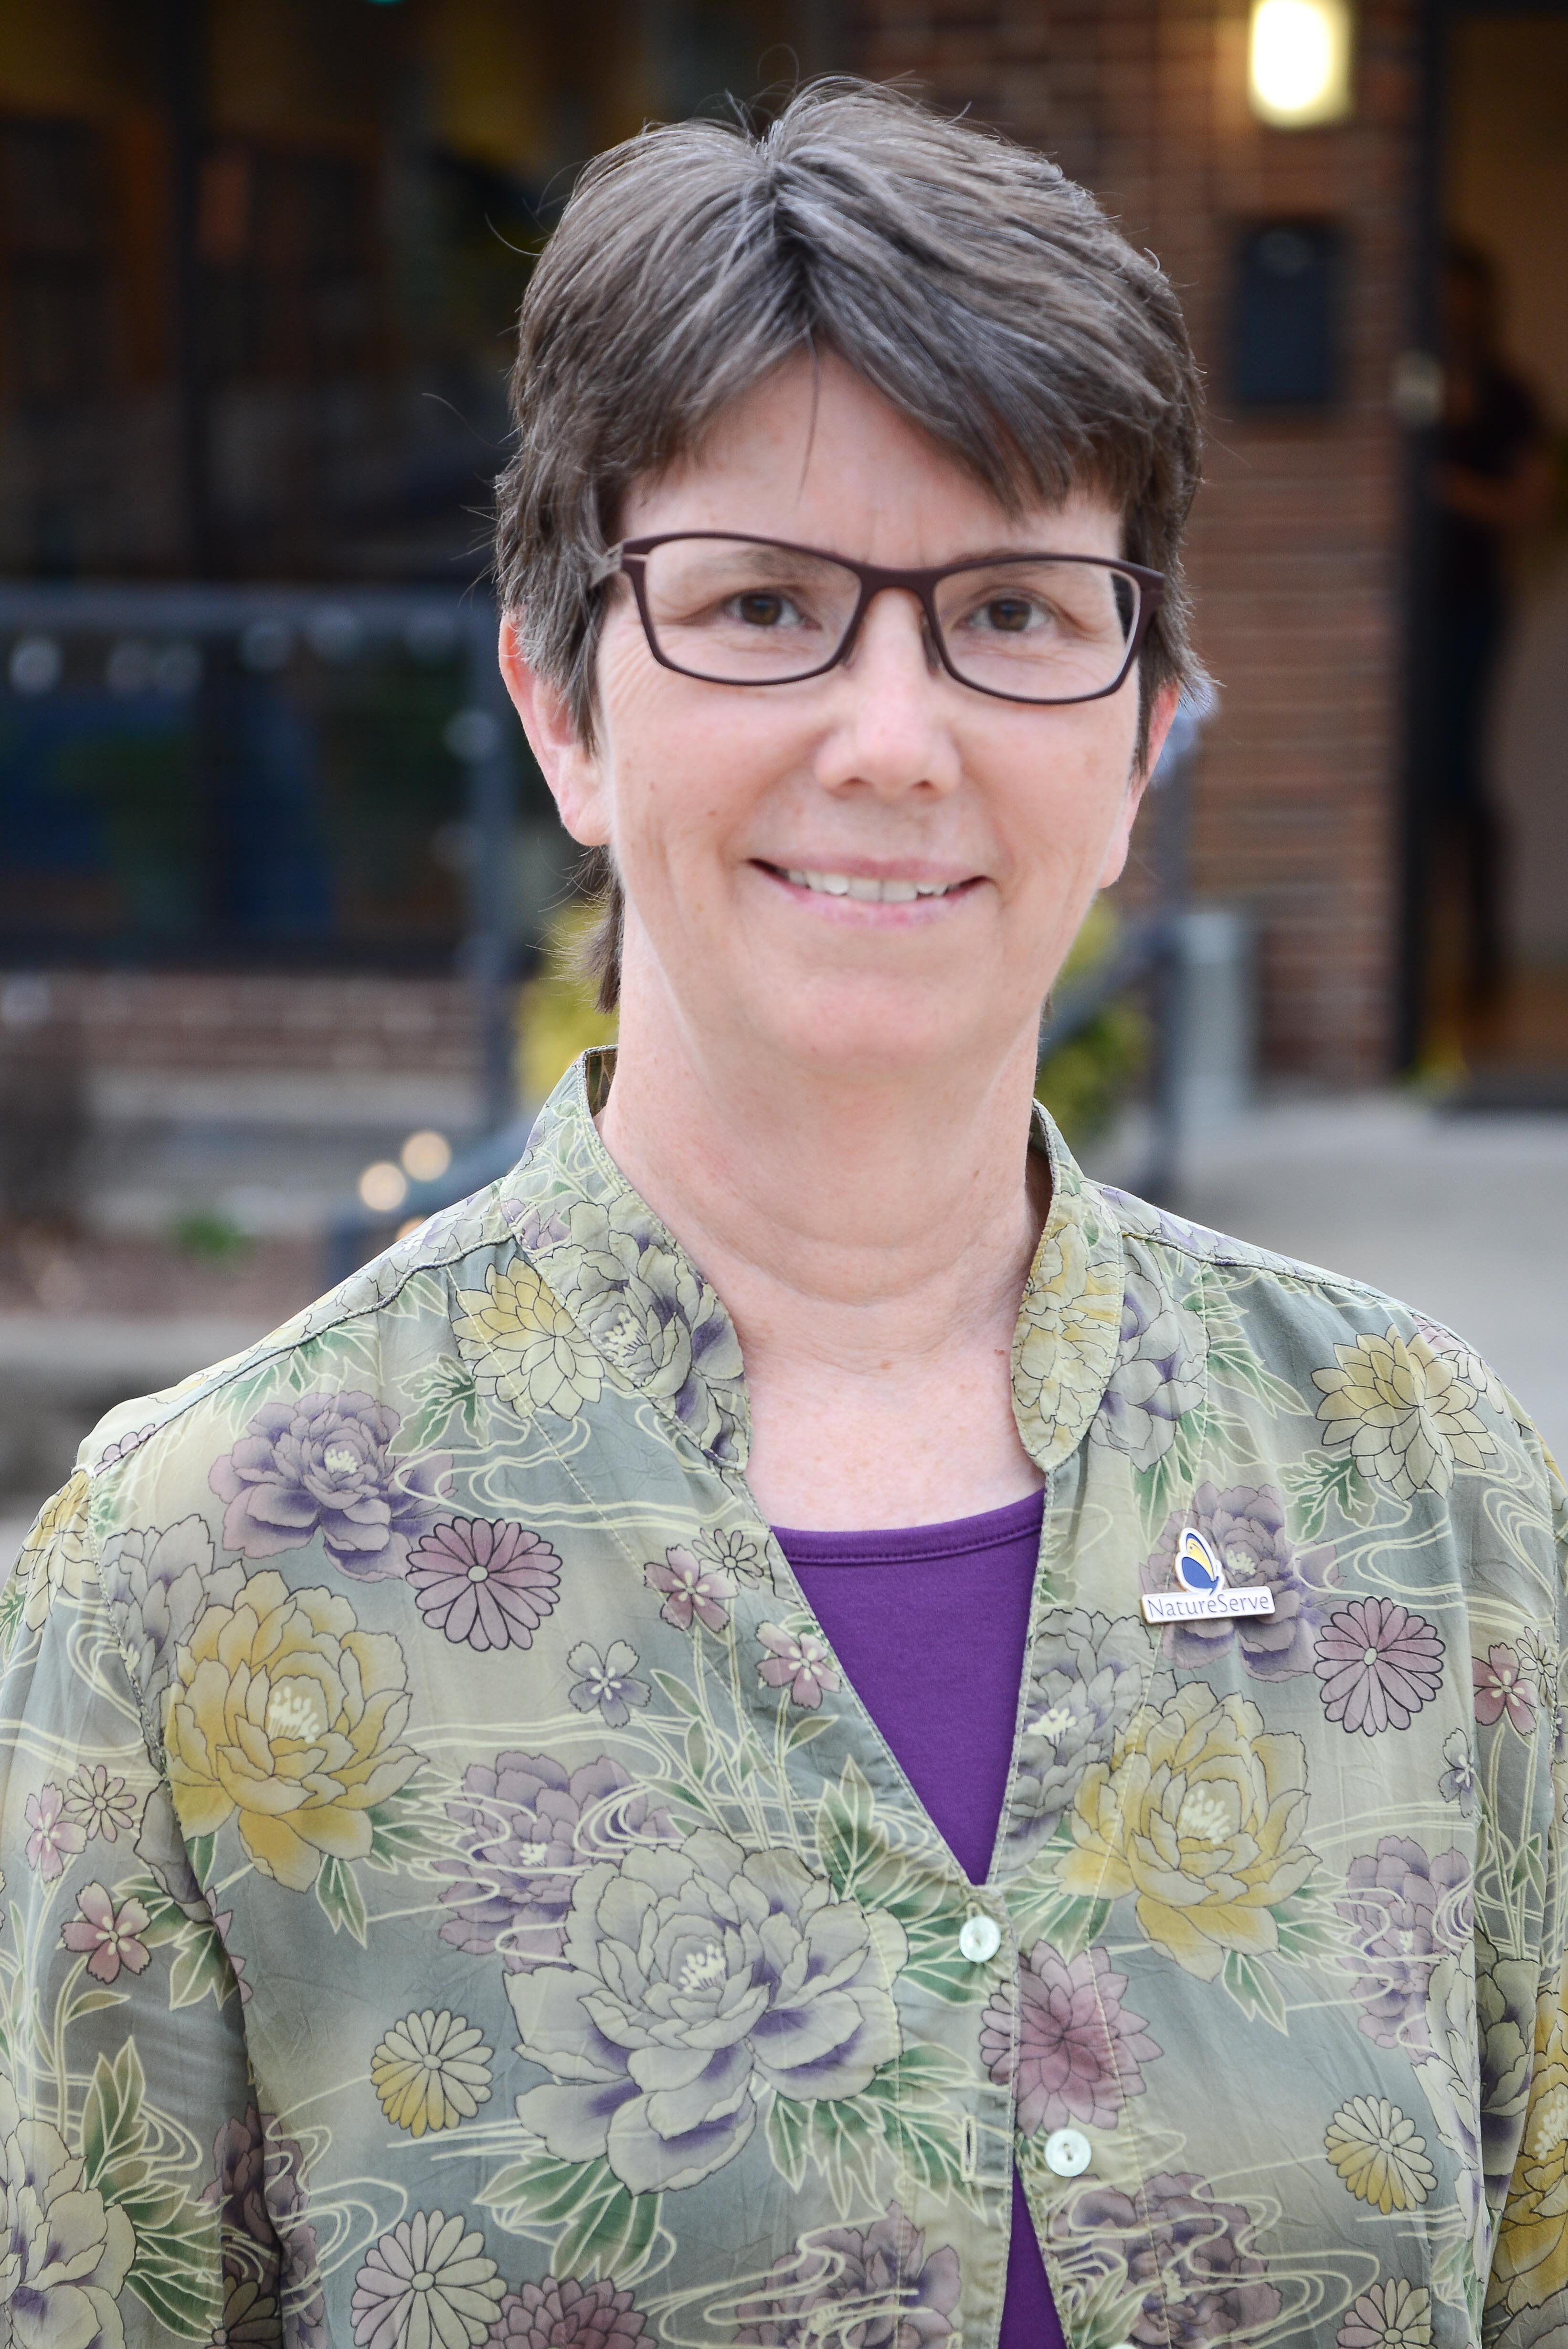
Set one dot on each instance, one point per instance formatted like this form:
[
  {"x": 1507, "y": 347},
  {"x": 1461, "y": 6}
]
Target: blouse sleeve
[
  {"x": 132, "y": 2155},
  {"x": 1523, "y": 2052}
]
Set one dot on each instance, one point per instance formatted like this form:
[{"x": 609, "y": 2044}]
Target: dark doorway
[{"x": 1488, "y": 831}]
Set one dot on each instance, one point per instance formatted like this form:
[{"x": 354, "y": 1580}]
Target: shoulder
[
  {"x": 1381, "y": 1379},
  {"x": 340, "y": 1424}
]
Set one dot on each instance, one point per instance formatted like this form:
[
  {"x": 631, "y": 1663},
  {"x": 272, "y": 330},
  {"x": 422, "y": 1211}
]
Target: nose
[{"x": 892, "y": 731}]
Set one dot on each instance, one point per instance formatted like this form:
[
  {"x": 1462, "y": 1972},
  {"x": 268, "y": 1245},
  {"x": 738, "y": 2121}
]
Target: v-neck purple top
[{"x": 930, "y": 1623}]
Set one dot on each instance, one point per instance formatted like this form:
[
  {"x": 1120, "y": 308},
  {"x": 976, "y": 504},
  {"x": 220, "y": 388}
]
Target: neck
[{"x": 870, "y": 1237}]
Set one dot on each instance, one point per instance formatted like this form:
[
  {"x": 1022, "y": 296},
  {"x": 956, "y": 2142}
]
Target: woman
[{"x": 520, "y": 1830}]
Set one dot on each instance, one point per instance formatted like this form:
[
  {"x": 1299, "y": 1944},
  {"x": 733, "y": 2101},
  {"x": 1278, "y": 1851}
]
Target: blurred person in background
[
  {"x": 797, "y": 1724},
  {"x": 1493, "y": 481}
]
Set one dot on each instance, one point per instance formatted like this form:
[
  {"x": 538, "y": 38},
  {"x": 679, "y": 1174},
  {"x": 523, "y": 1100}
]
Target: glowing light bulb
[
  {"x": 1298, "y": 62},
  {"x": 383, "y": 1187},
  {"x": 426, "y": 1155}
]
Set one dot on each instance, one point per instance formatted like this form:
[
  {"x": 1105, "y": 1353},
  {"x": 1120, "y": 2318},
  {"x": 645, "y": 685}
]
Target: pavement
[{"x": 1465, "y": 1217}]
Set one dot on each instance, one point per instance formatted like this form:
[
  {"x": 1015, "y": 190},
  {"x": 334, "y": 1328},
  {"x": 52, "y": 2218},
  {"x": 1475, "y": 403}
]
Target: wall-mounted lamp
[{"x": 1298, "y": 62}]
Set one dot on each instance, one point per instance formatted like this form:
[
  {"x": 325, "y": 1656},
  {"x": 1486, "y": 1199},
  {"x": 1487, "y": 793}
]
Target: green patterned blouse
[{"x": 453, "y": 1896}]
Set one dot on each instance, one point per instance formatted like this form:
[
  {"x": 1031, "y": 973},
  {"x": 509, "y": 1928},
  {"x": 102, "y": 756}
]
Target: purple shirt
[{"x": 889, "y": 1603}]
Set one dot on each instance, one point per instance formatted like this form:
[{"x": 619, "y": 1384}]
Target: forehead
[{"x": 815, "y": 454}]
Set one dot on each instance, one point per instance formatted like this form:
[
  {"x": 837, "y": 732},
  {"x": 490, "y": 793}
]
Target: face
[{"x": 886, "y": 773}]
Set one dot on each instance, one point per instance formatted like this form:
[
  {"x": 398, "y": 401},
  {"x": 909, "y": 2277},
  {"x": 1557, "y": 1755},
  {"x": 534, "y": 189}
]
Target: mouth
[{"x": 867, "y": 888}]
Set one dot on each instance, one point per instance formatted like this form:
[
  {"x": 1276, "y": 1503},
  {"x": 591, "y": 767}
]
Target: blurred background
[{"x": 285, "y": 920}]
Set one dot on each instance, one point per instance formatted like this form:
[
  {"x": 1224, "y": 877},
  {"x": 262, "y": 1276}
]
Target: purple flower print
[
  {"x": 1246, "y": 1529},
  {"x": 691, "y": 1589},
  {"x": 1379, "y": 1664},
  {"x": 799, "y": 1663},
  {"x": 106, "y": 1936},
  {"x": 55, "y": 1837},
  {"x": 1193, "y": 2260},
  {"x": 320, "y": 1464},
  {"x": 1500, "y": 1686},
  {"x": 1396, "y": 2315},
  {"x": 268, "y": 2245},
  {"x": 528, "y": 1830},
  {"x": 1405, "y": 1912},
  {"x": 488, "y": 1582},
  {"x": 1457, "y": 1781},
  {"x": 892, "y": 2295},
  {"x": 567, "y": 2315},
  {"x": 607, "y": 1680},
  {"x": 1079, "y": 2048}
]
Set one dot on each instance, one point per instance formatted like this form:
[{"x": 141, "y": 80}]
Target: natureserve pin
[{"x": 1202, "y": 1591}]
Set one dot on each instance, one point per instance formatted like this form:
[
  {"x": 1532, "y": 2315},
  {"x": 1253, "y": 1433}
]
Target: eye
[
  {"x": 1009, "y": 616},
  {"x": 764, "y": 607}
]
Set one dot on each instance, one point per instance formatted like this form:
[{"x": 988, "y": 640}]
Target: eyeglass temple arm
[{"x": 608, "y": 565}]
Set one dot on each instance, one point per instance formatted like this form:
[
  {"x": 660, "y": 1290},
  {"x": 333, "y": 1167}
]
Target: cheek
[{"x": 1068, "y": 804}]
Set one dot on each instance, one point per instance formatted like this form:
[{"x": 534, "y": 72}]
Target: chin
[{"x": 858, "y": 1032}]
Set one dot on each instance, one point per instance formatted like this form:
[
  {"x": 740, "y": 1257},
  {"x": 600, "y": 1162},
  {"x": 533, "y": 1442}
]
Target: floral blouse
[{"x": 453, "y": 1896}]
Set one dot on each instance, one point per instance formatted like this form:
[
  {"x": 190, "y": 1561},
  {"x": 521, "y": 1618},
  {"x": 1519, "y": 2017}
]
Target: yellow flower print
[
  {"x": 1378, "y": 2155},
  {"x": 1199, "y": 1812},
  {"x": 1404, "y": 1412},
  {"x": 286, "y": 1715},
  {"x": 54, "y": 1555},
  {"x": 522, "y": 1345},
  {"x": 1068, "y": 1328},
  {"x": 1529, "y": 2266},
  {"x": 430, "y": 2072}
]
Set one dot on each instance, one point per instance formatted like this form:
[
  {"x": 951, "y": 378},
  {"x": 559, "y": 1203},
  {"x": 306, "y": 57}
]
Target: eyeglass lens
[{"x": 741, "y": 612}]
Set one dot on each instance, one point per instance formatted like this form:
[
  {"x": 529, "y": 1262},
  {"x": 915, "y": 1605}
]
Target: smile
[{"x": 872, "y": 892}]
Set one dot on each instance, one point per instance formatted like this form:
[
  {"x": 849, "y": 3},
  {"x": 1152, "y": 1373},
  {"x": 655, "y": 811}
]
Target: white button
[
  {"x": 980, "y": 1938},
  {"x": 1067, "y": 2152}
]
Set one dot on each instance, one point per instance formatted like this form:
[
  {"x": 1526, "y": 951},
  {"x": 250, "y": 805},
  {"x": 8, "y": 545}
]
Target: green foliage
[
  {"x": 199, "y": 1968},
  {"x": 1308, "y": 1925},
  {"x": 605, "y": 2230},
  {"x": 1325, "y": 1485},
  {"x": 1085, "y": 1081},
  {"x": 339, "y": 1898},
  {"x": 13, "y": 1598},
  {"x": 402, "y": 1829},
  {"x": 209, "y": 1238},
  {"x": 905, "y": 2113},
  {"x": 863, "y": 1864},
  {"x": 1067, "y": 1921},
  {"x": 1254, "y": 1988},
  {"x": 175, "y": 2270},
  {"x": 557, "y": 1017},
  {"x": 447, "y": 1393},
  {"x": 113, "y": 2129}
]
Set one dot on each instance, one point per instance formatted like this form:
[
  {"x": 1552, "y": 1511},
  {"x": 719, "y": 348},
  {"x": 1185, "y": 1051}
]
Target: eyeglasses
[{"x": 757, "y": 611}]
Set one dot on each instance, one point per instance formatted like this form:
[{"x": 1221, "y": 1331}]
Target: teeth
[{"x": 870, "y": 892}]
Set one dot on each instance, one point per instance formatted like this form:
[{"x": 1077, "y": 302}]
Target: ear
[
  {"x": 1165, "y": 703},
  {"x": 572, "y": 769}
]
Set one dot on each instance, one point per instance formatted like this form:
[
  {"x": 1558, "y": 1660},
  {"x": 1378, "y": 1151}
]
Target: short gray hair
[{"x": 985, "y": 296}]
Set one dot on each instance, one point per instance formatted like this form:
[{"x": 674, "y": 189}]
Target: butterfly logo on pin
[
  {"x": 1201, "y": 1592},
  {"x": 1197, "y": 1568}
]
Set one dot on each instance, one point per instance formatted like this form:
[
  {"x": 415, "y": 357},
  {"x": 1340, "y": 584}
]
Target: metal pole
[
  {"x": 1170, "y": 855},
  {"x": 485, "y": 738}
]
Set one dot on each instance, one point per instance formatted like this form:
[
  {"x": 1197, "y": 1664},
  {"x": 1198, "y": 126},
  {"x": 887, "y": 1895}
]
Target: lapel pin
[{"x": 1202, "y": 1591}]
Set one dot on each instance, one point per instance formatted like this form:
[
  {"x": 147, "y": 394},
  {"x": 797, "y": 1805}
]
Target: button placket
[
  {"x": 979, "y": 1938},
  {"x": 1068, "y": 2153}
]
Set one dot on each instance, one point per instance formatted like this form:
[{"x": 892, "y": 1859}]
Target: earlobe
[
  {"x": 569, "y": 766},
  {"x": 1165, "y": 703}
]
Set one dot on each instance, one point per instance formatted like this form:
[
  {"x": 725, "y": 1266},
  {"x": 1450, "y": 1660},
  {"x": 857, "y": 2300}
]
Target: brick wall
[
  {"x": 219, "y": 1024},
  {"x": 1297, "y": 535}
]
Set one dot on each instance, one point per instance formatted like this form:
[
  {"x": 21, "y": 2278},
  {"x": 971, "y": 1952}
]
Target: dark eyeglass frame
[{"x": 629, "y": 558}]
